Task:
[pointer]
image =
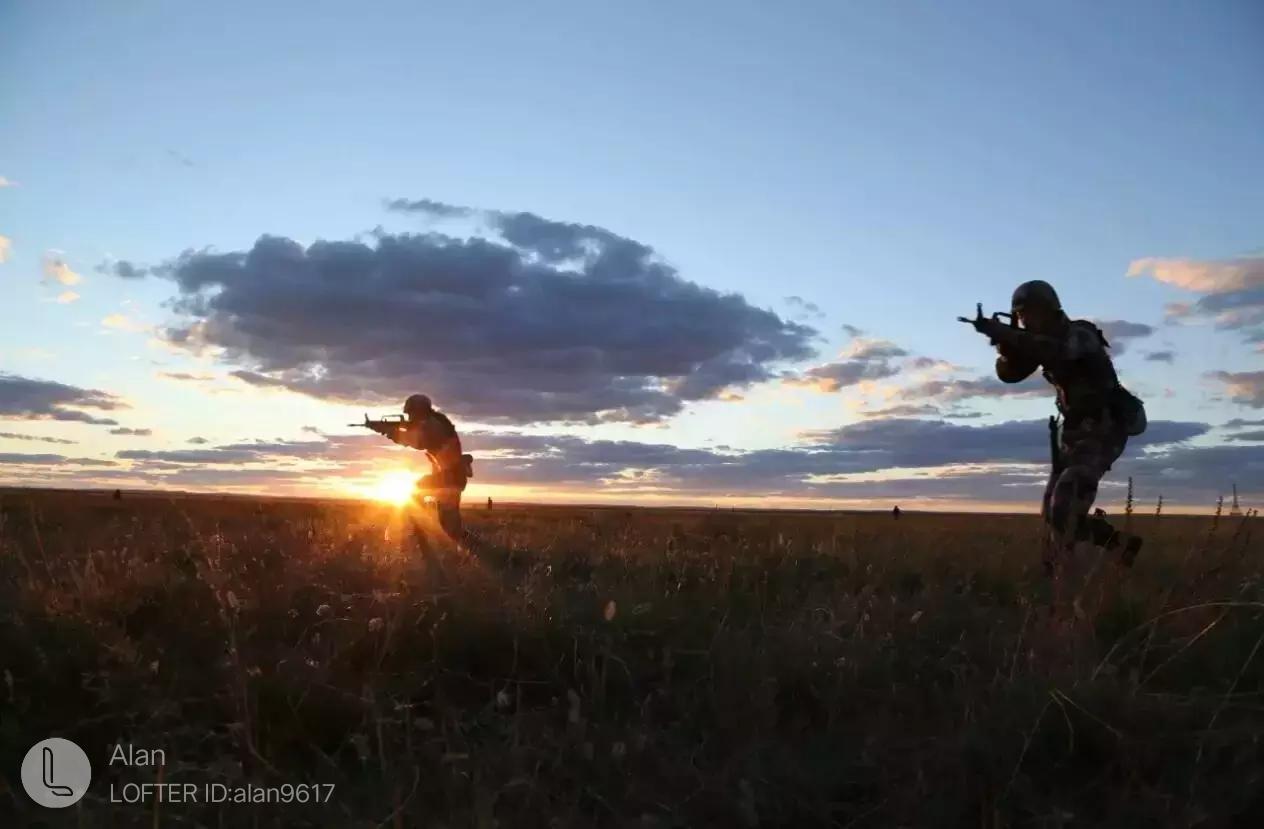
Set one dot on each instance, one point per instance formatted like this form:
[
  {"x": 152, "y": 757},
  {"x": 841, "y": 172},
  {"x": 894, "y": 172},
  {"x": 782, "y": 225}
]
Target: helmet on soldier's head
[
  {"x": 1036, "y": 293},
  {"x": 417, "y": 404}
]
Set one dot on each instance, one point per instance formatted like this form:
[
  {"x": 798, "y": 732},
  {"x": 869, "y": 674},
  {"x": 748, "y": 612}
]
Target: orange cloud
[
  {"x": 1205, "y": 276},
  {"x": 121, "y": 322},
  {"x": 56, "y": 270}
]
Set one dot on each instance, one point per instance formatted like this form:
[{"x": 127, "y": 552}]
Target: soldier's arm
[
  {"x": 1078, "y": 342},
  {"x": 1014, "y": 367},
  {"x": 401, "y": 433}
]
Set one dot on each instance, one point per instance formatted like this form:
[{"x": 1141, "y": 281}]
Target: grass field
[{"x": 612, "y": 667}]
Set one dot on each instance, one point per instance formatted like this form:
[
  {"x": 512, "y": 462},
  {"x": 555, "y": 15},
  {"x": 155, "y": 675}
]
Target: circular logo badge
[{"x": 56, "y": 773}]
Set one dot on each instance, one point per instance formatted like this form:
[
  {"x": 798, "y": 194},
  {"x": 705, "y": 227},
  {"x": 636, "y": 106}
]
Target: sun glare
[{"x": 394, "y": 487}]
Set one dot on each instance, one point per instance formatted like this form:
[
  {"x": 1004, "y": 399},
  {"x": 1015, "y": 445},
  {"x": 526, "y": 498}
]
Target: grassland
[{"x": 629, "y": 668}]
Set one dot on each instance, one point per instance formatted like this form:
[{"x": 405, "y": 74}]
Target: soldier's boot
[
  {"x": 1131, "y": 548},
  {"x": 1098, "y": 530}
]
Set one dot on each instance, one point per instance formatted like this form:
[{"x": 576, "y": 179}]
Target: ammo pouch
[{"x": 1128, "y": 411}]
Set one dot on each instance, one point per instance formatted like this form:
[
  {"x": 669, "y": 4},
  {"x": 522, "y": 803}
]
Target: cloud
[
  {"x": 833, "y": 377},
  {"x": 804, "y": 307},
  {"x": 39, "y": 438},
  {"x": 1160, "y": 356},
  {"x": 122, "y": 322},
  {"x": 123, "y": 430},
  {"x": 957, "y": 390},
  {"x": 1232, "y": 289},
  {"x": 905, "y": 442},
  {"x": 198, "y": 441},
  {"x": 1203, "y": 276},
  {"x": 903, "y": 410},
  {"x": 1256, "y": 435},
  {"x": 6, "y": 245},
  {"x": 240, "y": 453},
  {"x": 546, "y": 321},
  {"x": 29, "y": 399},
  {"x": 1238, "y": 423},
  {"x": 1245, "y": 387},
  {"x": 122, "y": 269},
  {"x": 1118, "y": 332},
  {"x": 864, "y": 360},
  {"x": 852, "y": 331},
  {"x": 4, "y": 182},
  {"x": 506, "y": 457},
  {"x": 1202, "y": 471},
  {"x": 186, "y": 377},
  {"x": 931, "y": 364},
  {"x": 67, "y": 297},
  {"x": 429, "y": 207},
  {"x": 56, "y": 270},
  {"x": 17, "y": 458},
  {"x": 872, "y": 460},
  {"x": 14, "y": 457}
]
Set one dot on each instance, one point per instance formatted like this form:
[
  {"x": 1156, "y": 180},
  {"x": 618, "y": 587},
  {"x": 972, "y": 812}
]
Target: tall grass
[{"x": 615, "y": 667}]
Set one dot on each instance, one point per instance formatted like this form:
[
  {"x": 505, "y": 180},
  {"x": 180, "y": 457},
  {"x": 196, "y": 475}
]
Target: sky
[{"x": 654, "y": 253}]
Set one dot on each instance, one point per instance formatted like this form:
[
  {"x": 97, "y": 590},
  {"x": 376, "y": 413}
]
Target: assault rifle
[
  {"x": 387, "y": 425},
  {"x": 980, "y": 321}
]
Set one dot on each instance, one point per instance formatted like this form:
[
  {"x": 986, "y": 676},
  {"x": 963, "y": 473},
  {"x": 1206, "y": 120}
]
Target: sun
[{"x": 394, "y": 487}]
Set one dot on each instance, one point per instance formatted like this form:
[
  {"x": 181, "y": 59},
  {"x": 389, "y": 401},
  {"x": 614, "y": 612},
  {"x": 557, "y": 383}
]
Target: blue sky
[{"x": 890, "y": 163}]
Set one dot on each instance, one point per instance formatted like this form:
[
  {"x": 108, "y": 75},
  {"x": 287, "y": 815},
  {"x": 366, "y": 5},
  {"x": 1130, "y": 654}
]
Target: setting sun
[{"x": 394, "y": 487}]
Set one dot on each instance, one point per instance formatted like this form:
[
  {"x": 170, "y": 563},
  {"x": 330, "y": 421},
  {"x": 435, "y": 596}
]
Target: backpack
[
  {"x": 1128, "y": 411},
  {"x": 1125, "y": 407}
]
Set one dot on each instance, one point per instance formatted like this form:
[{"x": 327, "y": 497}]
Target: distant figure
[
  {"x": 895, "y": 512},
  {"x": 118, "y": 495},
  {"x": 430, "y": 431},
  {"x": 1098, "y": 414},
  {"x": 489, "y": 503}
]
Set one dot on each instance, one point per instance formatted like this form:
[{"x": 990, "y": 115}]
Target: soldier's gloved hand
[{"x": 984, "y": 324}]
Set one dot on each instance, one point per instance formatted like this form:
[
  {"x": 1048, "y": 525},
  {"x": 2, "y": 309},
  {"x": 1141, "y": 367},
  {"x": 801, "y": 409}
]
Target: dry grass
[{"x": 629, "y": 668}]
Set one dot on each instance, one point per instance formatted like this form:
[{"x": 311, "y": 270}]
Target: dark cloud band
[
  {"x": 546, "y": 321},
  {"x": 25, "y": 398}
]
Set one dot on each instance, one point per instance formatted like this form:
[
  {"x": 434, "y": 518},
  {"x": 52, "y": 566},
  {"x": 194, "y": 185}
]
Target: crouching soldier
[
  {"x": 1097, "y": 413},
  {"x": 430, "y": 431}
]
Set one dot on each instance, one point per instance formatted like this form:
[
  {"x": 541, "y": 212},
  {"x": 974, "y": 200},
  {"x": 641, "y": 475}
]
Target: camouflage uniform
[
  {"x": 1097, "y": 416},
  {"x": 434, "y": 434}
]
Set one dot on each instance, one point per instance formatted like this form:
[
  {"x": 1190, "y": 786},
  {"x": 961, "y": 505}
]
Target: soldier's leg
[
  {"x": 449, "y": 504},
  {"x": 1073, "y": 494},
  {"x": 424, "y": 486},
  {"x": 1089, "y": 458},
  {"x": 1049, "y": 547}
]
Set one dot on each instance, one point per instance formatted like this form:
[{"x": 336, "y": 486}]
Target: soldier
[
  {"x": 1097, "y": 413},
  {"x": 432, "y": 432}
]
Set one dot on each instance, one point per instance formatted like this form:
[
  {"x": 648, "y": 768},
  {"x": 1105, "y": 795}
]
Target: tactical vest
[{"x": 1088, "y": 386}]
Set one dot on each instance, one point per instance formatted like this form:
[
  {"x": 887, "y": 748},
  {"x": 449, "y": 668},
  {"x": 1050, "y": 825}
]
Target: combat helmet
[
  {"x": 417, "y": 404},
  {"x": 1037, "y": 293}
]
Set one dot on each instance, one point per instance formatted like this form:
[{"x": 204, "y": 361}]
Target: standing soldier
[
  {"x": 430, "y": 431},
  {"x": 1097, "y": 413}
]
